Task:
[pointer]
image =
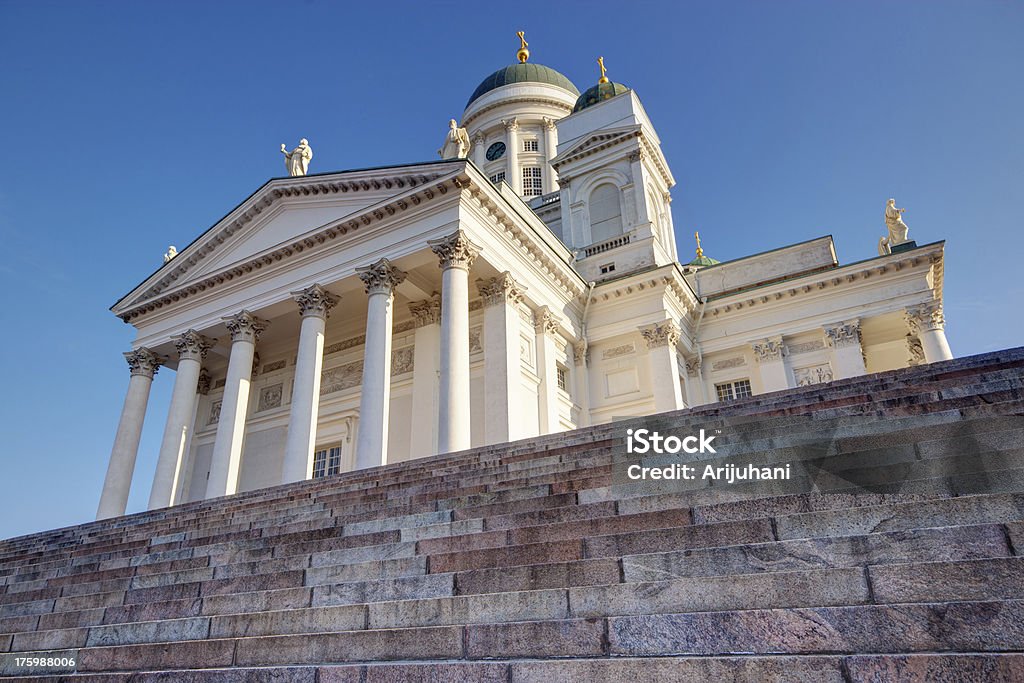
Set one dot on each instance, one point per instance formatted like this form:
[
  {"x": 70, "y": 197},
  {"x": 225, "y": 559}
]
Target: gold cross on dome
[
  {"x": 604, "y": 79},
  {"x": 700, "y": 252}
]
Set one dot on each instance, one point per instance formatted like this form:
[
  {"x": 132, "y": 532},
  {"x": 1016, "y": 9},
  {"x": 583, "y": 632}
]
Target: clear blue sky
[{"x": 129, "y": 126}]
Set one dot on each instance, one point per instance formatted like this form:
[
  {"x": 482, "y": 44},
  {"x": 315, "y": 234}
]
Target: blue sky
[{"x": 129, "y": 126}]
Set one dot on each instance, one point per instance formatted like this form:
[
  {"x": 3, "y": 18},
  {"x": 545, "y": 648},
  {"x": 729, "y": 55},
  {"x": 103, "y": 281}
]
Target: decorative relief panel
[
  {"x": 475, "y": 345},
  {"x": 402, "y": 361},
  {"x": 342, "y": 377},
  {"x": 276, "y": 365},
  {"x": 728, "y": 363},
  {"x": 220, "y": 383},
  {"x": 616, "y": 351},
  {"x": 807, "y": 347},
  {"x": 816, "y": 374},
  {"x": 526, "y": 350},
  {"x": 214, "y": 413},
  {"x": 915, "y": 352},
  {"x": 270, "y": 397},
  {"x": 345, "y": 345}
]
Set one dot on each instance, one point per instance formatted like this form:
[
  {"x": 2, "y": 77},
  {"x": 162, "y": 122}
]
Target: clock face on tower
[{"x": 495, "y": 151}]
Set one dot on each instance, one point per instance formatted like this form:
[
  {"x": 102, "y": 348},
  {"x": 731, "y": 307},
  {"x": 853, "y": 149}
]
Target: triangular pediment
[
  {"x": 280, "y": 213},
  {"x": 595, "y": 142}
]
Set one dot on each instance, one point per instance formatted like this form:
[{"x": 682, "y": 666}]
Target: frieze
[
  {"x": 729, "y": 363},
  {"x": 276, "y": 365},
  {"x": 620, "y": 350},
  {"x": 341, "y": 378},
  {"x": 815, "y": 374},
  {"x": 806, "y": 347}
]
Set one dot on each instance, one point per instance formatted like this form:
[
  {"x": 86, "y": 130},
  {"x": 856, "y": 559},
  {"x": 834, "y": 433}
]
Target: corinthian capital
[
  {"x": 660, "y": 334},
  {"x": 426, "y": 312},
  {"x": 143, "y": 362},
  {"x": 455, "y": 251},
  {"x": 315, "y": 301},
  {"x": 381, "y": 278},
  {"x": 500, "y": 290},
  {"x": 771, "y": 349},
  {"x": 245, "y": 327},
  {"x": 926, "y": 317},
  {"x": 843, "y": 334},
  {"x": 192, "y": 345},
  {"x": 545, "y": 321},
  {"x": 511, "y": 124}
]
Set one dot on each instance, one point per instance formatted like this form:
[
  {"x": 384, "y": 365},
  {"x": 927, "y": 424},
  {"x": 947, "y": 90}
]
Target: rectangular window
[
  {"x": 607, "y": 268},
  {"x": 731, "y": 391},
  {"x": 563, "y": 382},
  {"x": 326, "y": 462},
  {"x": 532, "y": 186},
  {"x": 530, "y": 145},
  {"x": 498, "y": 177}
]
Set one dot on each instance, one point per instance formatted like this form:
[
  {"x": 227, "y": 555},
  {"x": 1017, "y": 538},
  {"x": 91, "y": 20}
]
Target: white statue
[
  {"x": 897, "y": 228},
  {"x": 297, "y": 161},
  {"x": 172, "y": 251},
  {"x": 456, "y": 142}
]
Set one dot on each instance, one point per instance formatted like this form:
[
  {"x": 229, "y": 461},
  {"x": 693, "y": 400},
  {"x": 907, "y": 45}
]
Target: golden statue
[
  {"x": 523, "y": 53},
  {"x": 700, "y": 252},
  {"x": 603, "y": 79}
]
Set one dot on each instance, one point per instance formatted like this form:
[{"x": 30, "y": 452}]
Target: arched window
[{"x": 605, "y": 213}]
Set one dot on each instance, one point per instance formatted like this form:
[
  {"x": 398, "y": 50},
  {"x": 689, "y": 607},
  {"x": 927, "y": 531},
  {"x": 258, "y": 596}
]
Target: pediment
[
  {"x": 284, "y": 212},
  {"x": 595, "y": 142}
]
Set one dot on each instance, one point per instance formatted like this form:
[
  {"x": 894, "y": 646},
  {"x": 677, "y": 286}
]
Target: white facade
[{"x": 383, "y": 315}]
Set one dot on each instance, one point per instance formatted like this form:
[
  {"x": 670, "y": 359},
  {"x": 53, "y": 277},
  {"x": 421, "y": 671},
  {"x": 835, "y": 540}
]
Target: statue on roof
[
  {"x": 456, "y": 142},
  {"x": 297, "y": 161},
  {"x": 172, "y": 251},
  {"x": 897, "y": 228}
]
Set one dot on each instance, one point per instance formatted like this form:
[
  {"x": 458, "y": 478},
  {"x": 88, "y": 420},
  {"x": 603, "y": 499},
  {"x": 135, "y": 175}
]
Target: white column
[
  {"x": 183, "y": 490},
  {"x": 581, "y": 380},
  {"x": 315, "y": 303},
  {"x": 770, "y": 355},
  {"x": 636, "y": 165},
  {"x": 928, "y": 323},
  {"x": 550, "y": 149},
  {"x": 512, "y": 174},
  {"x": 375, "y": 401},
  {"x": 502, "y": 366},
  {"x": 661, "y": 341},
  {"x": 846, "y": 354},
  {"x": 226, "y": 461},
  {"x": 143, "y": 364},
  {"x": 425, "y": 370},
  {"x": 479, "y": 150},
  {"x": 694, "y": 383},
  {"x": 546, "y": 327},
  {"x": 456, "y": 253},
  {"x": 192, "y": 348}
]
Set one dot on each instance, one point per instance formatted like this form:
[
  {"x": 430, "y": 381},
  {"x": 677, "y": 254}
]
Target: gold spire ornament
[
  {"x": 523, "y": 53},
  {"x": 700, "y": 252},
  {"x": 603, "y": 79}
]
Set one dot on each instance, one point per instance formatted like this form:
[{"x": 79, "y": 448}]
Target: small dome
[
  {"x": 522, "y": 73},
  {"x": 599, "y": 93},
  {"x": 702, "y": 261}
]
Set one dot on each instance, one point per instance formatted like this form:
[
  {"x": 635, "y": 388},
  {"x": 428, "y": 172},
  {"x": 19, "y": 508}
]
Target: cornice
[
  {"x": 844, "y": 275},
  {"x": 420, "y": 188},
  {"x": 467, "y": 121},
  {"x": 594, "y": 143},
  {"x": 665, "y": 278},
  {"x": 561, "y": 273}
]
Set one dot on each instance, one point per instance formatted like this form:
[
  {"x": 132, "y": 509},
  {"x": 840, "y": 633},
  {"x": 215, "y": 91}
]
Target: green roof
[
  {"x": 522, "y": 73},
  {"x": 703, "y": 261},
  {"x": 599, "y": 93}
]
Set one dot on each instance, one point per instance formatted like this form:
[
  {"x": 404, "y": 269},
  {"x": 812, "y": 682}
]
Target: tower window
[
  {"x": 326, "y": 461},
  {"x": 605, "y": 213},
  {"x": 530, "y": 145},
  {"x": 532, "y": 186},
  {"x": 563, "y": 381}
]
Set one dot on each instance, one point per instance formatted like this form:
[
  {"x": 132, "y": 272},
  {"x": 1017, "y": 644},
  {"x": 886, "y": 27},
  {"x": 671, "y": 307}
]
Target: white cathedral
[{"x": 527, "y": 283}]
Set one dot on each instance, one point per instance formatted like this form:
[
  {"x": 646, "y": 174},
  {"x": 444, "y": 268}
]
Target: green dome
[
  {"x": 599, "y": 93},
  {"x": 522, "y": 73},
  {"x": 703, "y": 261}
]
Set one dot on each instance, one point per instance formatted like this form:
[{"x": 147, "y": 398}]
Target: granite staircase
[{"x": 893, "y": 555}]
